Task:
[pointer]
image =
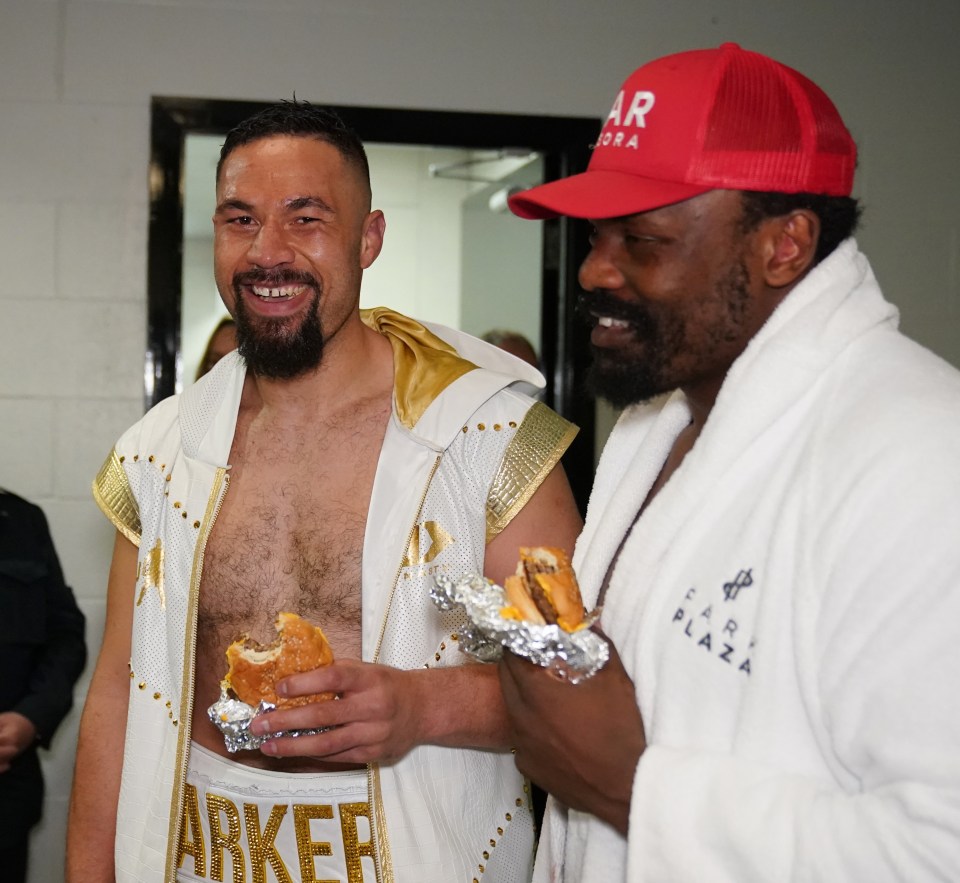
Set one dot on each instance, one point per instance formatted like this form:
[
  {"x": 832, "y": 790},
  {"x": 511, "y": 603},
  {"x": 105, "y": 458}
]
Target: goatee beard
[{"x": 279, "y": 348}]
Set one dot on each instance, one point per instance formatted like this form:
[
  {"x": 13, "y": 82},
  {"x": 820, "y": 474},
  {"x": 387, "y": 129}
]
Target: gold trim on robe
[
  {"x": 537, "y": 447},
  {"x": 112, "y": 493}
]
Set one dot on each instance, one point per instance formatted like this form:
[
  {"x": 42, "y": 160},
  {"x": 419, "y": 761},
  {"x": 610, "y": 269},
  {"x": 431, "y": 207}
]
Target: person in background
[
  {"x": 516, "y": 344},
  {"x": 329, "y": 467},
  {"x": 774, "y": 530},
  {"x": 222, "y": 340},
  {"x": 43, "y": 651}
]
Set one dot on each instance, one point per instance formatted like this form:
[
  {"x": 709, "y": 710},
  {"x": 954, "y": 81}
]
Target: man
[
  {"x": 328, "y": 468},
  {"x": 41, "y": 638},
  {"x": 513, "y": 342},
  {"x": 517, "y": 345},
  {"x": 773, "y": 529}
]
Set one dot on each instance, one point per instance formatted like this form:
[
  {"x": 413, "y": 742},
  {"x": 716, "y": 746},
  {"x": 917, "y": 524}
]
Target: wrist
[{"x": 462, "y": 707}]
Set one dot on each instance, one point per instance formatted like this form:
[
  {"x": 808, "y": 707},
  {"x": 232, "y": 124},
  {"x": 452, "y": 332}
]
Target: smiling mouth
[
  {"x": 610, "y": 322},
  {"x": 284, "y": 292}
]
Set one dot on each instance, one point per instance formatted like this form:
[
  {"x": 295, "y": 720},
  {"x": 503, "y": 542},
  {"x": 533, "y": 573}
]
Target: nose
[
  {"x": 598, "y": 270},
  {"x": 269, "y": 247}
]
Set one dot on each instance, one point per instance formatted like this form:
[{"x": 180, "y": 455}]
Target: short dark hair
[
  {"x": 839, "y": 215},
  {"x": 303, "y": 119}
]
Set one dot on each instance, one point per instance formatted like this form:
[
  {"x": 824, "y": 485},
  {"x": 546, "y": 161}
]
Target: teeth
[
  {"x": 286, "y": 291},
  {"x": 610, "y": 322}
]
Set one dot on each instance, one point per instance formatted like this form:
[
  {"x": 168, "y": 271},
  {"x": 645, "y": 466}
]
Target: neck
[{"x": 700, "y": 399}]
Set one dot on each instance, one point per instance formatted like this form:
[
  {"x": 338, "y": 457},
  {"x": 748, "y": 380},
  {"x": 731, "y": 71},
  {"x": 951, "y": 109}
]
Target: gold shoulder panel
[
  {"x": 537, "y": 447},
  {"x": 111, "y": 490}
]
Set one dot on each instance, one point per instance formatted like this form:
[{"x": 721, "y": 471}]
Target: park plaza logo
[
  {"x": 719, "y": 623},
  {"x": 628, "y": 114}
]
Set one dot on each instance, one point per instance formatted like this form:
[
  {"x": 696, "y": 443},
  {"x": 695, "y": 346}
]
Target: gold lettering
[
  {"x": 439, "y": 540},
  {"x": 307, "y": 848},
  {"x": 150, "y": 571},
  {"x": 190, "y": 818},
  {"x": 353, "y": 849},
  {"x": 262, "y": 846},
  {"x": 220, "y": 841},
  {"x": 413, "y": 550}
]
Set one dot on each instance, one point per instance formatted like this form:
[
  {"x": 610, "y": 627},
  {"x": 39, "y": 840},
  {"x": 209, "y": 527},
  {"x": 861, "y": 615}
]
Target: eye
[
  {"x": 637, "y": 239},
  {"x": 240, "y": 220}
]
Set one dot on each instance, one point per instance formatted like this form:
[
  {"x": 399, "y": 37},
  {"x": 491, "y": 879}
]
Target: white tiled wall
[{"x": 76, "y": 77}]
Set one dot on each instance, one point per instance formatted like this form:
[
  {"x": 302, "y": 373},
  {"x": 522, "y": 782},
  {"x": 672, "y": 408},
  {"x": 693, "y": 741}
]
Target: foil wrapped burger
[{"x": 538, "y": 613}]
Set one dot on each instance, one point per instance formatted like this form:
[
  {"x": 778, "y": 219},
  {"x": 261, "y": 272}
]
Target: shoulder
[
  {"x": 891, "y": 396},
  {"x": 115, "y": 485},
  {"x": 511, "y": 443},
  {"x": 155, "y": 425},
  {"x": 513, "y": 422}
]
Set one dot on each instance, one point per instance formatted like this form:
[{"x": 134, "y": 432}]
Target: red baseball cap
[{"x": 709, "y": 119}]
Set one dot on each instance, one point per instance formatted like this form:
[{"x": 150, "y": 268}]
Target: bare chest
[{"x": 289, "y": 535}]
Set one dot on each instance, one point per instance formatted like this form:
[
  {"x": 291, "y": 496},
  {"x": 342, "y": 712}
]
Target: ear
[
  {"x": 371, "y": 240},
  {"x": 790, "y": 246}
]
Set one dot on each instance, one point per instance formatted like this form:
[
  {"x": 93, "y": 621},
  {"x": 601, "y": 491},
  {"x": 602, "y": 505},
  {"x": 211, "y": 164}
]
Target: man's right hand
[
  {"x": 580, "y": 742},
  {"x": 17, "y": 734},
  {"x": 384, "y": 712}
]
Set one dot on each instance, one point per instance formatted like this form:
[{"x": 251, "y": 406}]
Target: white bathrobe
[{"x": 788, "y": 607}]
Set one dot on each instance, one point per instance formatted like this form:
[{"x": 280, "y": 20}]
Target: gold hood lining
[{"x": 423, "y": 364}]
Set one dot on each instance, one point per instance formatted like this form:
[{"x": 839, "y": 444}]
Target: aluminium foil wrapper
[
  {"x": 571, "y": 656},
  {"x": 232, "y": 718}
]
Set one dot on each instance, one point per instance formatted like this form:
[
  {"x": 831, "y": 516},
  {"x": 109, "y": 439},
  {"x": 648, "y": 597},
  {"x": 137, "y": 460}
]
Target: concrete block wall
[{"x": 76, "y": 77}]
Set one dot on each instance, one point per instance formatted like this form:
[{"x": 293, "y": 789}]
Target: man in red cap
[{"x": 774, "y": 532}]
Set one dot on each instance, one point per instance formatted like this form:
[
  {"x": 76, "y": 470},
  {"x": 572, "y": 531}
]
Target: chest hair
[{"x": 289, "y": 535}]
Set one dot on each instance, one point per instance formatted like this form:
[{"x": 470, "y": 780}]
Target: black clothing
[{"x": 43, "y": 651}]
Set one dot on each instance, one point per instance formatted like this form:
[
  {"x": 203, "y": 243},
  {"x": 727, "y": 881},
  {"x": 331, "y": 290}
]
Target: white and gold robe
[{"x": 462, "y": 454}]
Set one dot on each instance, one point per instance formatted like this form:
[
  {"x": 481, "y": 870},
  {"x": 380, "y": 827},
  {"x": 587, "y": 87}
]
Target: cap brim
[{"x": 600, "y": 194}]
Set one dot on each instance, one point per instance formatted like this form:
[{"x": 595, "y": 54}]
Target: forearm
[
  {"x": 92, "y": 821},
  {"x": 462, "y": 707}
]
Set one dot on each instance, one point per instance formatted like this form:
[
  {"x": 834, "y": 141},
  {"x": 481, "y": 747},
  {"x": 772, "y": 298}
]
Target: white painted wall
[{"x": 76, "y": 78}]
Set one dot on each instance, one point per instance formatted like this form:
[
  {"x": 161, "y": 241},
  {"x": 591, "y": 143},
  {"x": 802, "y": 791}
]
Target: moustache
[{"x": 274, "y": 278}]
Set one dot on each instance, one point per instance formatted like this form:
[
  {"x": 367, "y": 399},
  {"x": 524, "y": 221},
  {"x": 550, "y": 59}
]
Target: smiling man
[
  {"x": 774, "y": 529},
  {"x": 328, "y": 467}
]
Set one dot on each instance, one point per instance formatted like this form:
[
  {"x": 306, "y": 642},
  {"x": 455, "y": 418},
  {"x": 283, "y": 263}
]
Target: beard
[
  {"x": 674, "y": 351},
  {"x": 279, "y": 348}
]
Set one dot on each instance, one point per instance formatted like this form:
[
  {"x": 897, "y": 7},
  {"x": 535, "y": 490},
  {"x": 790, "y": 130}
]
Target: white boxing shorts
[{"x": 246, "y": 825}]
